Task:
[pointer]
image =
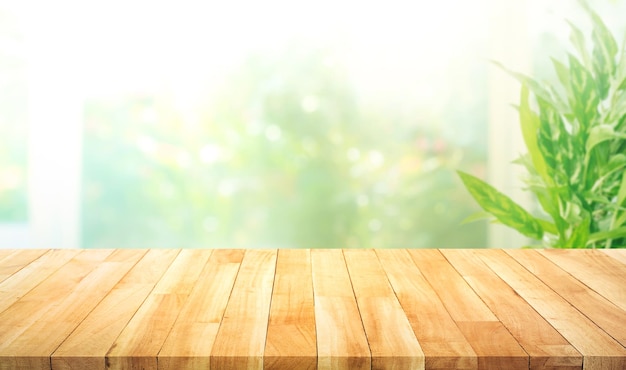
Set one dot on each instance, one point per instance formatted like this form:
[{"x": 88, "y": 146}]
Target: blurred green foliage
[{"x": 286, "y": 154}]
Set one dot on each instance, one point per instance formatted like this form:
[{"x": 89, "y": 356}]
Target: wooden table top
[{"x": 307, "y": 309}]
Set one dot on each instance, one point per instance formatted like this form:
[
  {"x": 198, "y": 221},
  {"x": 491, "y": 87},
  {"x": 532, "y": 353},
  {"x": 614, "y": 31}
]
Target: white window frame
[
  {"x": 509, "y": 44},
  {"x": 54, "y": 137}
]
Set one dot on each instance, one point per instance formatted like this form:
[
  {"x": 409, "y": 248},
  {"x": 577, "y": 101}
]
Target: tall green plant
[{"x": 575, "y": 134}]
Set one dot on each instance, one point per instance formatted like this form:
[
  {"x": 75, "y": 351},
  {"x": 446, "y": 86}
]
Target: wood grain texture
[
  {"x": 545, "y": 346},
  {"x": 595, "y": 269},
  {"x": 618, "y": 254},
  {"x": 13, "y": 261},
  {"x": 6, "y": 252},
  {"x": 49, "y": 332},
  {"x": 391, "y": 339},
  {"x": 457, "y": 296},
  {"x": 495, "y": 347},
  {"x": 138, "y": 345},
  {"x": 341, "y": 340},
  {"x": 189, "y": 344},
  {"x": 88, "y": 344},
  {"x": 23, "y": 281},
  {"x": 240, "y": 341},
  {"x": 291, "y": 342},
  {"x": 442, "y": 342},
  {"x": 599, "y": 350},
  {"x": 312, "y": 309},
  {"x": 25, "y": 340},
  {"x": 601, "y": 311}
]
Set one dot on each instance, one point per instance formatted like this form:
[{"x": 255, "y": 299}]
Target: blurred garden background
[{"x": 290, "y": 124}]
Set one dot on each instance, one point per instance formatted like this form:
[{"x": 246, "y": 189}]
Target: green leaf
[
  {"x": 548, "y": 198},
  {"x": 502, "y": 207},
  {"x": 534, "y": 86},
  {"x": 584, "y": 95},
  {"x": 604, "y": 52},
  {"x": 577, "y": 38},
  {"x": 545, "y": 142},
  {"x": 573, "y": 210},
  {"x": 601, "y": 133},
  {"x": 621, "y": 220},
  {"x": 609, "y": 234},
  {"x": 619, "y": 83},
  {"x": 617, "y": 109},
  {"x": 621, "y": 194},
  {"x": 622, "y": 59},
  {"x": 562, "y": 72},
  {"x": 548, "y": 226},
  {"x": 603, "y": 32},
  {"x": 477, "y": 216},
  {"x": 617, "y": 162},
  {"x": 580, "y": 235},
  {"x": 530, "y": 125}
]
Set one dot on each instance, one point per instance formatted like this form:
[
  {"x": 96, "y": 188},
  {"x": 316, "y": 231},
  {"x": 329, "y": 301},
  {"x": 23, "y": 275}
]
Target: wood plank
[
  {"x": 389, "y": 333},
  {"x": 12, "y": 262},
  {"x": 595, "y": 269},
  {"x": 27, "y": 278},
  {"x": 599, "y": 350},
  {"x": 291, "y": 340},
  {"x": 88, "y": 344},
  {"x": 25, "y": 341},
  {"x": 42, "y": 281},
  {"x": 330, "y": 274},
  {"x": 618, "y": 254},
  {"x": 477, "y": 323},
  {"x": 46, "y": 334},
  {"x": 138, "y": 345},
  {"x": 7, "y": 252},
  {"x": 460, "y": 300},
  {"x": 443, "y": 344},
  {"x": 601, "y": 311},
  {"x": 341, "y": 340},
  {"x": 240, "y": 340},
  {"x": 189, "y": 344},
  {"x": 434, "y": 309},
  {"x": 546, "y": 347}
]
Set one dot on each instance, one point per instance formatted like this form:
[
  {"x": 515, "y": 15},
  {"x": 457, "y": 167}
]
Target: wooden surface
[{"x": 312, "y": 309}]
